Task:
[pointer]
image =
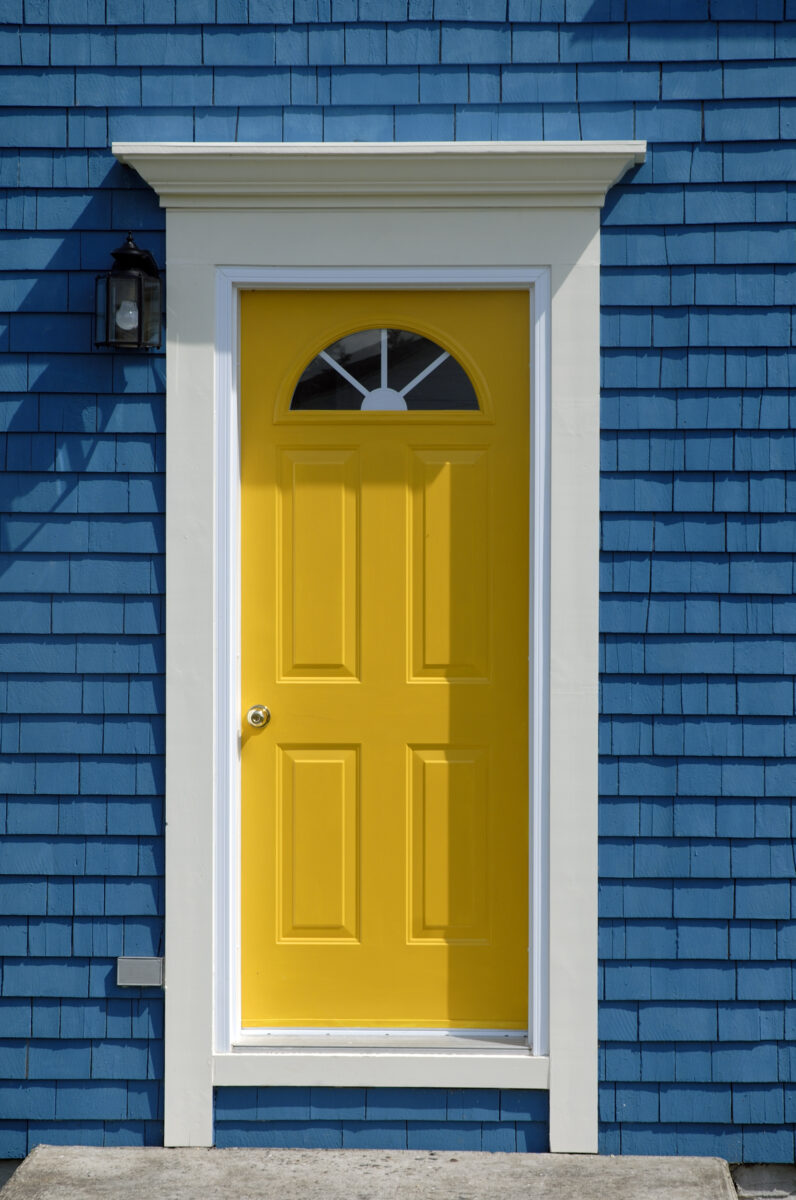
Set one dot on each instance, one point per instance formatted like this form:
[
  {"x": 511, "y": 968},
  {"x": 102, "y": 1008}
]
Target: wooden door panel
[
  {"x": 448, "y": 845},
  {"x": 449, "y": 563},
  {"x": 318, "y": 843},
  {"x": 318, "y": 556}
]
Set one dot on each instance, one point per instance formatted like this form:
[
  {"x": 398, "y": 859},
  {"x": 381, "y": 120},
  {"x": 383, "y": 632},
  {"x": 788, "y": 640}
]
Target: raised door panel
[
  {"x": 449, "y": 563},
  {"x": 318, "y": 843},
  {"x": 318, "y": 557},
  {"x": 448, "y": 845}
]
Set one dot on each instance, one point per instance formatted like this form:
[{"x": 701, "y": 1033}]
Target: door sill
[
  {"x": 490, "y": 1040},
  {"x": 381, "y": 1062}
]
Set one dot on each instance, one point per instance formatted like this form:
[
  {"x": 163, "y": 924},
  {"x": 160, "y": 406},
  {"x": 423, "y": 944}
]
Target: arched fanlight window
[{"x": 388, "y": 370}]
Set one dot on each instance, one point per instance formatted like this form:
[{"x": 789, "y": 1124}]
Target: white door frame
[
  {"x": 243, "y": 213},
  {"x": 230, "y": 281}
]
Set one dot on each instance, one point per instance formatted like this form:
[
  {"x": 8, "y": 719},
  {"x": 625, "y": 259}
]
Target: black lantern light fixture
[{"x": 128, "y": 301}]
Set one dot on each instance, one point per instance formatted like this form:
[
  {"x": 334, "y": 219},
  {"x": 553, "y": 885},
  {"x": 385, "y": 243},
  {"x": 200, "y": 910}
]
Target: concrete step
[
  {"x": 765, "y": 1181},
  {"x": 82, "y": 1173}
]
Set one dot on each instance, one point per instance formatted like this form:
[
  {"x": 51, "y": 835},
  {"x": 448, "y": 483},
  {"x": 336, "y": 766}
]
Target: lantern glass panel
[
  {"x": 152, "y": 307},
  {"x": 124, "y": 302}
]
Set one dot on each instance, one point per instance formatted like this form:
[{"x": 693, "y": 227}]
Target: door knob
[{"x": 258, "y": 715}]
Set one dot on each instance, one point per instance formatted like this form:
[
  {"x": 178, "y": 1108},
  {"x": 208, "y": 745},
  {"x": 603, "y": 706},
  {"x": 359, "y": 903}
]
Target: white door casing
[{"x": 502, "y": 214}]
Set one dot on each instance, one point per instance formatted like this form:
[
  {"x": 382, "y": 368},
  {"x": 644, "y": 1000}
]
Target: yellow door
[{"x": 385, "y": 625}]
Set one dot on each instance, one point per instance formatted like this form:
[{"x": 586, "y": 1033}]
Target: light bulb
[{"x": 127, "y": 315}]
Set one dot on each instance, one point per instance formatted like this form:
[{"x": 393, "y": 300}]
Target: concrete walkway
[
  {"x": 78, "y": 1173},
  {"x": 765, "y": 1181}
]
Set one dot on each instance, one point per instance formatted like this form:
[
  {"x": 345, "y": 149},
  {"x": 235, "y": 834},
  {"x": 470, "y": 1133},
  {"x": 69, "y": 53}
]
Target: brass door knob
[{"x": 258, "y": 715}]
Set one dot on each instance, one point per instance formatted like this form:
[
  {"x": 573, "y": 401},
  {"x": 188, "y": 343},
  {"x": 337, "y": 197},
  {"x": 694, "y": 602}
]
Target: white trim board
[
  {"x": 314, "y": 216},
  {"x": 379, "y": 1068}
]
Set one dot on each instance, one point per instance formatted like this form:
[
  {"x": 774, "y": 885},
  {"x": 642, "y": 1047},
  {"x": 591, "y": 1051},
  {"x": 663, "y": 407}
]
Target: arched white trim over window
[{"x": 503, "y": 214}]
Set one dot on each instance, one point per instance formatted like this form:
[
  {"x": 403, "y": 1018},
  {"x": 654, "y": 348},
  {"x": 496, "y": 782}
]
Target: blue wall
[
  {"x": 699, "y": 496},
  {"x": 382, "y": 1118}
]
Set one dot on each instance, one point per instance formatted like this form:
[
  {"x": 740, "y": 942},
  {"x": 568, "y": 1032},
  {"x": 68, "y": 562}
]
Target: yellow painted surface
[{"x": 385, "y": 624}]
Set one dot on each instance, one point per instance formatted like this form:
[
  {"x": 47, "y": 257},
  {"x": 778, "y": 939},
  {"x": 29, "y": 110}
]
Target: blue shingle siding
[
  {"x": 698, "y": 753},
  {"x": 382, "y": 1118},
  {"x": 697, "y": 693},
  {"x": 81, "y": 618}
]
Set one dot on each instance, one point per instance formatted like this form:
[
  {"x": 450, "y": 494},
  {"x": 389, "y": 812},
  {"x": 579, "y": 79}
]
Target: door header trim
[{"x": 381, "y": 174}]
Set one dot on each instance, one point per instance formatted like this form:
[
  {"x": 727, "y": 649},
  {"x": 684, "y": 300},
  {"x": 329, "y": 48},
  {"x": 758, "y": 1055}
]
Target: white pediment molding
[{"x": 381, "y": 174}]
